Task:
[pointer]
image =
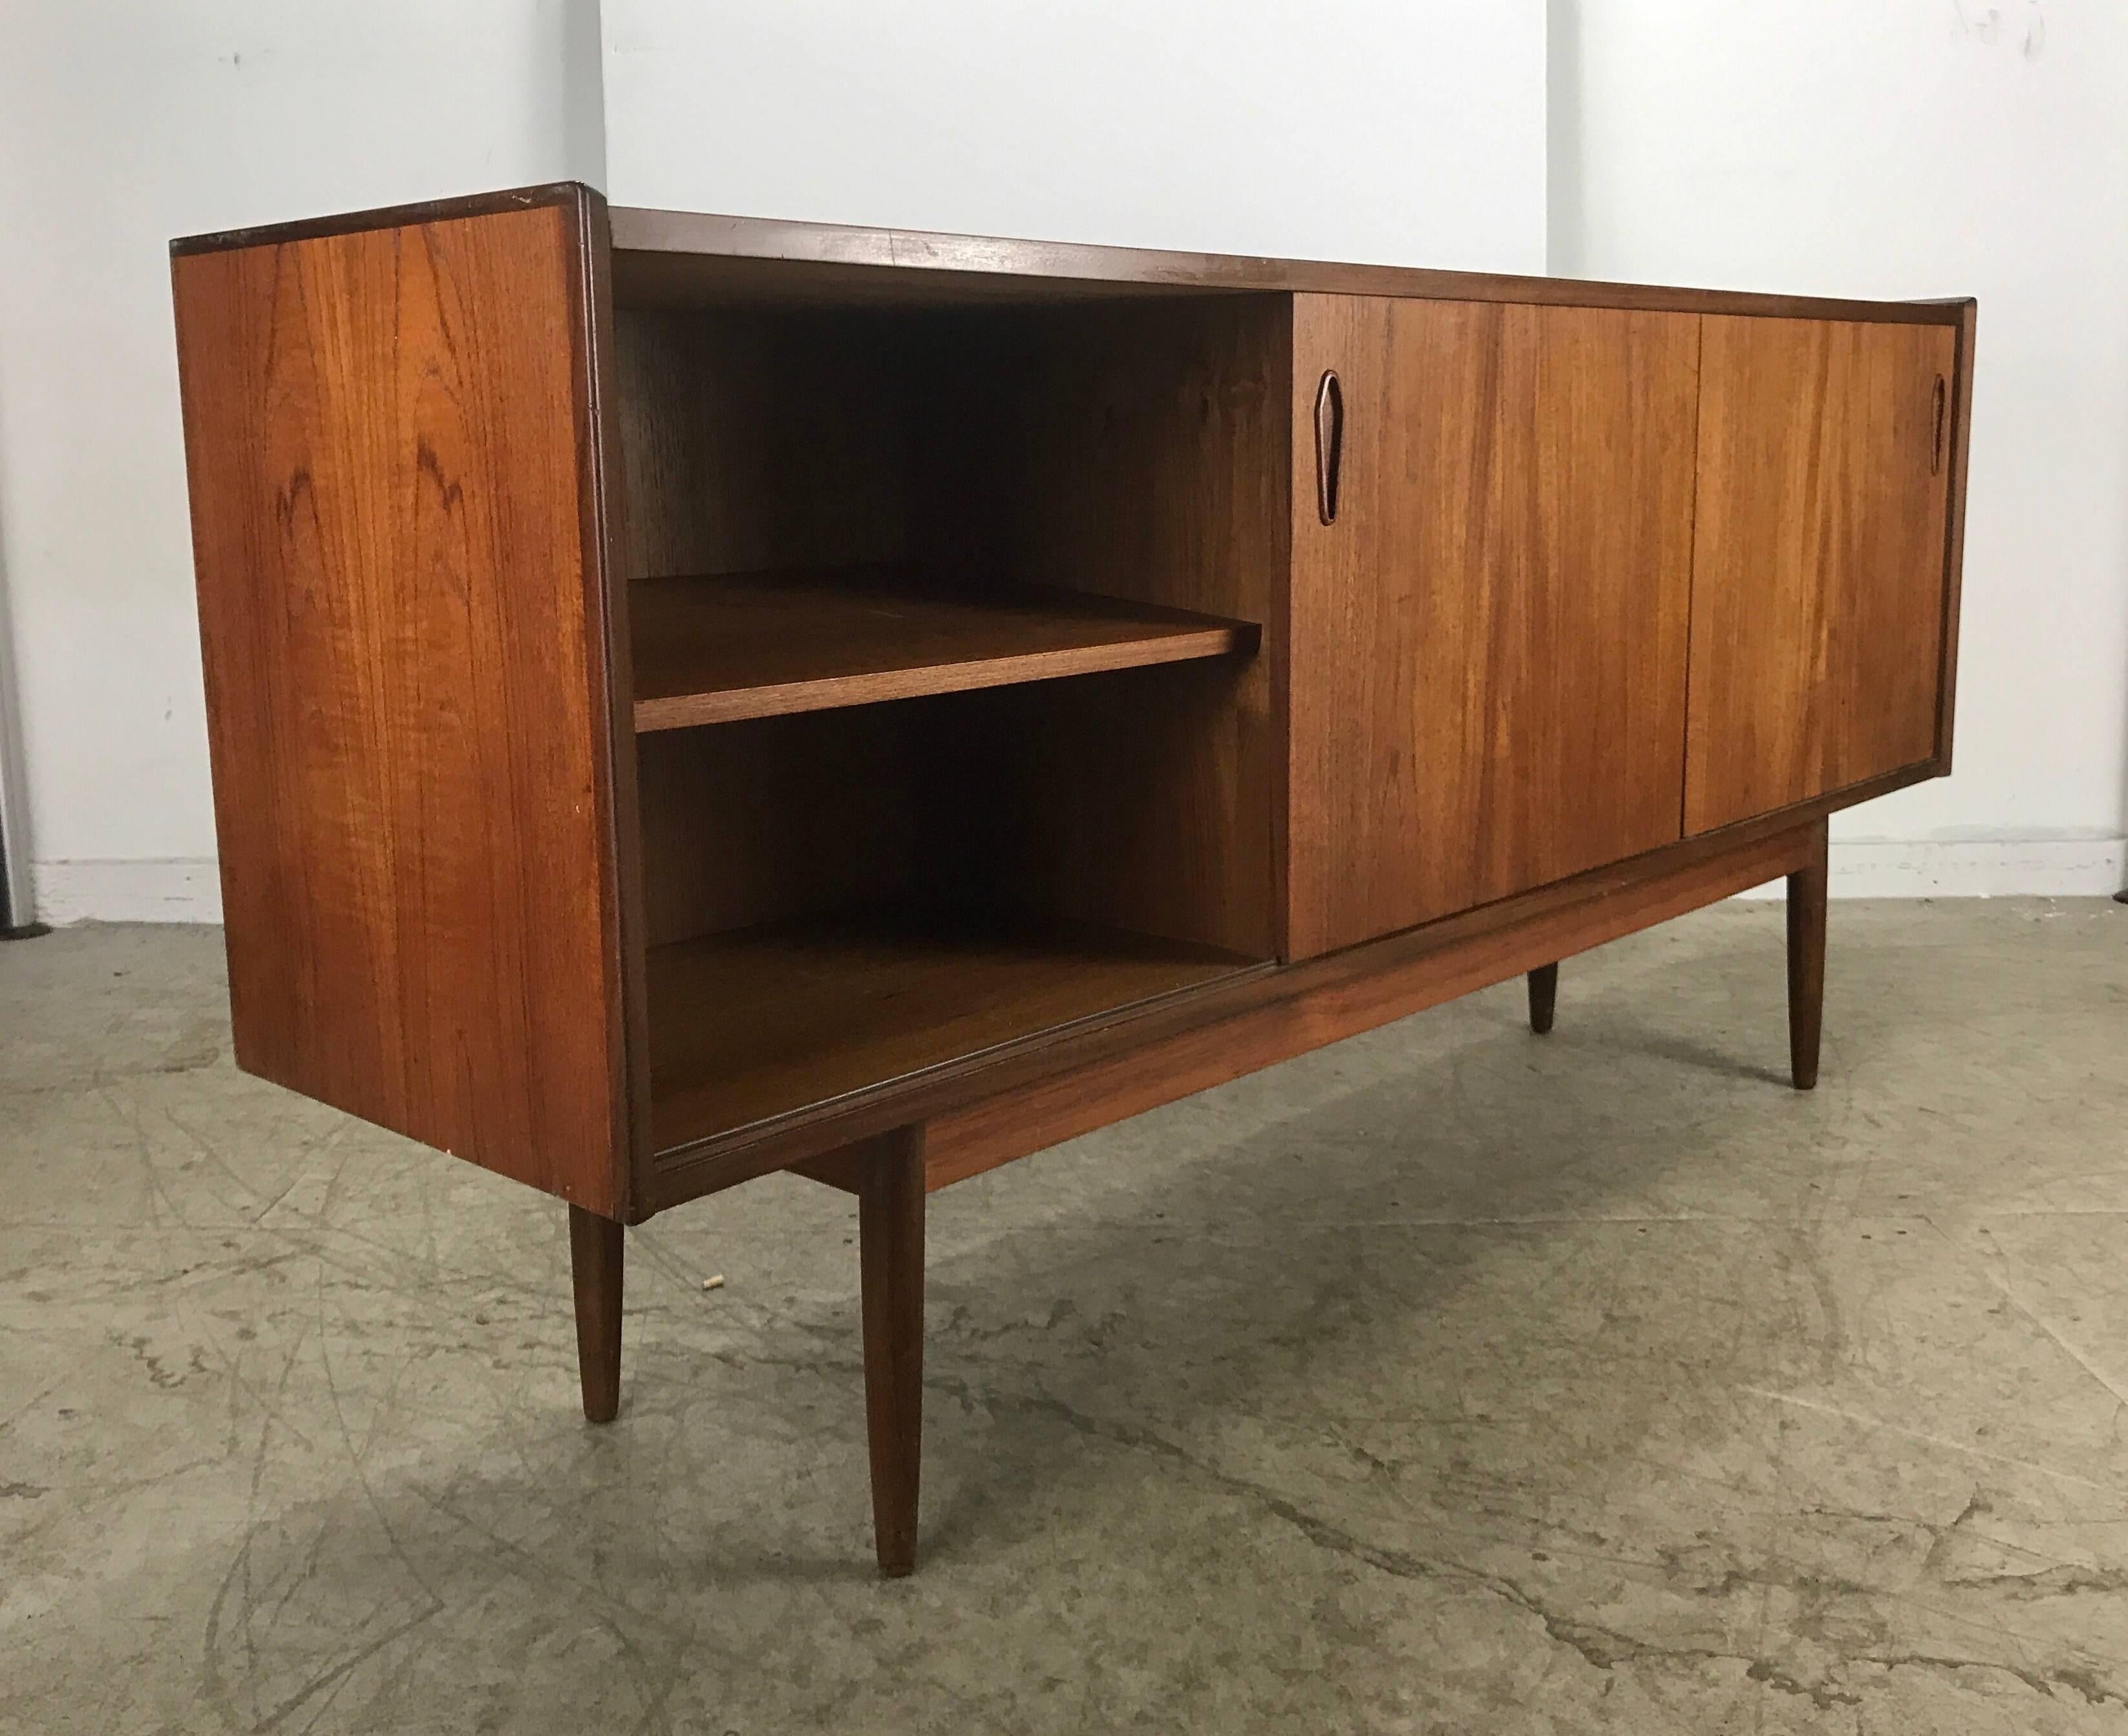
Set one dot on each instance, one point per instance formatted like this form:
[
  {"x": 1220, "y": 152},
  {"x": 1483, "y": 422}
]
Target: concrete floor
[{"x": 1451, "y": 1379}]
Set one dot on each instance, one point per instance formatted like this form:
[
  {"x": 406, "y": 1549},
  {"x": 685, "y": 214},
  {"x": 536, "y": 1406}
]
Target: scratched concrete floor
[{"x": 1449, "y": 1380}]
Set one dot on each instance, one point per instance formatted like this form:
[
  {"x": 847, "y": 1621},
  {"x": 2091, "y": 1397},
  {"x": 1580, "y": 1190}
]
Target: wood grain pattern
[
  {"x": 603, "y": 518},
  {"x": 1677, "y": 872},
  {"x": 748, "y": 1026},
  {"x": 1488, "y": 646},
  {"x": 890, "y": 1256},
  {"x": 1134, "y": 455},
  {"x": 1139, "y": 452},
  {"x": 712, "y": 650},
  {"x": 774, "y": 818},
  {"x": 772, "y": 440},
  {"x": 1818, "y": 618},
  {"x": 389, "y": 441},
  {"x": 1304, "y": 1006}
]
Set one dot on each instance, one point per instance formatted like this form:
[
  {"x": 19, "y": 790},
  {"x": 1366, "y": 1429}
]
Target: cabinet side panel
[
  {"x": 387, "y": 446},
  {"x": 1819, "y": 572},
  {"x": 1954, "y": 552}
]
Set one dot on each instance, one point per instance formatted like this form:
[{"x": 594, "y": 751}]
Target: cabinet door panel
[
  {"x": 1487, "y": 645},
  {"x": 1817, "y": 614}
]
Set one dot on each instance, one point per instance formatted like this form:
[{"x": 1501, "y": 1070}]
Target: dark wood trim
[
  {"x": 1953, "y": 552},
  {"x": 842, "y": 1171},
  {"x": 607, "y": 600},
  {"x": 960, "y": 261},
  {"x": 1543, "y": 998},
  {"x": 388, "y": 216},
  {"x": 1805, "y": 926},
  {"x": 596, "y": 1256},
  {"x": 890, "y": 1258},
  {"x": 982, "y": 1082}
]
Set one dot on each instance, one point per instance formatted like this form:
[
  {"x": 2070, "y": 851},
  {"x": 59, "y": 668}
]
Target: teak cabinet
[{"x": 693, "y": 697}]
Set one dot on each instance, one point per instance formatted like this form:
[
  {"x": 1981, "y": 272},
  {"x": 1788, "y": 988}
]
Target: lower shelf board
[{"x": 748, "y": 1026}]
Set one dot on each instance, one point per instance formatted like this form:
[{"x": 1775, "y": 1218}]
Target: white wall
[
  {"x": 1890, "y": 147},
  {"x": 1370, "y": 130},
  {"x": 1918, "y": 148},
  {"x": 122, "y": 125}
]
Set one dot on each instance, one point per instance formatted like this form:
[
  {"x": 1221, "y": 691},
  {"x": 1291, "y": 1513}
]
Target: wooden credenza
[{"x": 693, "y": 697}]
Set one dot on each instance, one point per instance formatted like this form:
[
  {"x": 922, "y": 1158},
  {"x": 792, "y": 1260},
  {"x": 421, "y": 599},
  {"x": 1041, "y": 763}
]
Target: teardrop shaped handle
[
  {"x": 1942, "y": 406},
  {"x": 1329, "y": 444}
]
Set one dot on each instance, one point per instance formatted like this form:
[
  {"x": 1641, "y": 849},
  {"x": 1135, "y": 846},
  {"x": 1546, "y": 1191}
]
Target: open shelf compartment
[
  {"x": 751, "y": 1025},
  {"x": 863, "y": 543},
  {"x": 714, "y": 650}
]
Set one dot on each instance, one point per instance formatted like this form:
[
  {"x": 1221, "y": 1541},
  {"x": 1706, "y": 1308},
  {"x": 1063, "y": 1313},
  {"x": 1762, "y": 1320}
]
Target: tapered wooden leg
[
  {"x": 891, "y": 1248},
  {"x": 1544, "y": 997},
  {"x": 1807, "y": 967},
  {"x": 595, "y": 1264}
]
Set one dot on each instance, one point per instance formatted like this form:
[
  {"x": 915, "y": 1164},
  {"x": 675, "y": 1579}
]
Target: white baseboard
[
  {"x": 1973, "y": 868},
  {"x": 174, "y": 889},
  {"x": 189, "y": 890}
]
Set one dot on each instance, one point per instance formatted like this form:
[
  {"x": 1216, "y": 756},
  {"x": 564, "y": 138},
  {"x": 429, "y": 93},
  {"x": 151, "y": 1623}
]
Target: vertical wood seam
[{"x": 1692, "y": 585}]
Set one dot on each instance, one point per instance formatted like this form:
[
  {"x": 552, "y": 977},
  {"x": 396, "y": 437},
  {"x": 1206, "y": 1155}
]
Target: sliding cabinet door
[
  {"x": 1820, "y": 568},
  {"x": 1487, "y": 649}
]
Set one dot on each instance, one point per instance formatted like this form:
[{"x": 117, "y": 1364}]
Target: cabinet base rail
[{"x": 891, "y": 1172}]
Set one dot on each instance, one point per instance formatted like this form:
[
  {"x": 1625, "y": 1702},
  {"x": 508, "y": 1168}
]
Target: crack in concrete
[{"x": 1602, "y": 1646}]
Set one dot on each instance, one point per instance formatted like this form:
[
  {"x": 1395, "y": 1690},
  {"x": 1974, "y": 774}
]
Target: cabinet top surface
[{"x": 692, "y": 258}]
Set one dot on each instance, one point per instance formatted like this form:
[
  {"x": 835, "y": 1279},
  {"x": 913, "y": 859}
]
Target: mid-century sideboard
[{"x": 693, "y": 697}]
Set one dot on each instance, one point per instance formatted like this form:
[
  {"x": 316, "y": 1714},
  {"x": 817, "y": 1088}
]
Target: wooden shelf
[
  {"x": 747, "y": 1026},
  {"x": 713, "y": 650}
]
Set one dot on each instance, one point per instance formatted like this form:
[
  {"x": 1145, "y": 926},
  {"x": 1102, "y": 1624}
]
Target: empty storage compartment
[{"x": 952, "y": 661}]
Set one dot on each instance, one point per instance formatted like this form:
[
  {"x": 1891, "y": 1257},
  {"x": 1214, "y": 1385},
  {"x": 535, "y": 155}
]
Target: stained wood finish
[
  {"x": 1667, "y": 883},
  {"x": 1953, "y": 554},
  {"x": 1543, "y": 998},
  {"x": 666, "y": 258},
  {"x": 753, "y": 442},
  {"x": 594, "y": 1269},
  {"x": 1294, "y": 1010},
  {"x": 1487, "y": 644},
  {"x": 890, "y": 1247},
  {"x": 408, "y": 432},
  {"x": 1820, "y": 566},
  {"x": 1135, "y": 455},
  {"x": 1806, "y": 912},
  {"x": 497, "y": 202},
  {"x": 710, "y": 650},
  {"x": 1139, "y": 453},
  {"x": 748, "y": 1026},
  {"x": 390, "y": 443},
  {"x": 777, "y": 817},
  {"x": 604, "y": 521}
]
